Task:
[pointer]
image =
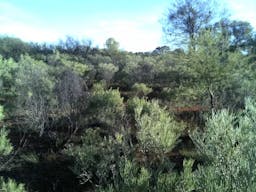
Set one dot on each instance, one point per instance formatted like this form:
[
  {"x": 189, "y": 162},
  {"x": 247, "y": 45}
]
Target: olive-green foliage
[
  {"x": 11, "y": 186},
  {"x": 33, "y": 79},
  {"x": 5, "y": 149},
  {"x": 186, "y": 181},
  {"x": 105, "y": 106},
  {"x": 12, "y": 48},
  {"x": 56, "y": 94},
  {"x": 131, "y": 63},
  {"x": 134, "y": 177},
  {"x": 227, "y": 145},
  {"x": 157, "y": 130},
  {"x": 109, "y": 188},
  {"x": 141, "y": 89},
  {"x": 145, "y": 70},
  {"x": 78, "y": 68},
  {"x": 112, "y": 45},
  {"x": 95, "y": 59},
  {"x": 137, "y": 178},
  {"x": 34, "y": 88},
  {"x": 94, "y": 158},
  {"x": 172, "y": 181},
  {"x": 167, "y": 182},
  {"x": 5, "y": 145},
  {"x": 139, "y": 68},
  {"x": 106, "y": 71},
  {"x": 212, "y": 68},
  {"x": 210, "y": 62},
  {"x": 1, "y": 113},
  {"x": 8, "y": 69},
  {"x": 135, "y": 102},
  {"x": 62, "y": 62}
]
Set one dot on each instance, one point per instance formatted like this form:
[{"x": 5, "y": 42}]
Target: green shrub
[
  {"x": 105, "y": 106},
  {"x": 157, "y": 130},
  {"x": 157, "y": 133},
  {"x": 94, "y": 158},
  {"x": 134, "y": 178},
  {"x": 5, "y": 145},
  {"x": 167, "y": 182},
  {"x": 186, "y": 181},
  {"x": 34, "y": 88},
  {"x": 141, "y": 89},
  {"x": 227, "y": 143},
  {"x": 5, "y": 149},
  {"x": 8, "y": 70},
  {"x": 135, "y": 103},
  {"x": 78, "y": 68},
  {"x": 106, "y": 71},
  {"x": 11, "y": 186}
]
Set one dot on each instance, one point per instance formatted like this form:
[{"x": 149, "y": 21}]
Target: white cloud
[
  {"x": 28, "y": 33},
  {"x": 243, "y": 10},
  {"x": 132, "y": 35},
  {"x": 136, "y": 33},
  {"x": 140, "y": 34},
  {"x": 18, "y": 23}
]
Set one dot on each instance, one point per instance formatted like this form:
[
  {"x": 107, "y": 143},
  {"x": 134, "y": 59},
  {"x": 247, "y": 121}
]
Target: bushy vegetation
[
  {"x": 5, "y": 150},
  {"x": 79, "y": 118}
]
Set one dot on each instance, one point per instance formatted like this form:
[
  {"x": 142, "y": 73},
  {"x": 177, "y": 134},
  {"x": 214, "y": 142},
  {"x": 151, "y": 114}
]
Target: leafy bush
[
  {"x": 167, "y": 182},
  {"x": 105, "y": 106},
  {"x": 157, "y": 130},
  {"x": 34, "y": 88},
  {"x": 133, "y": 177},
  {"x": 12, "y": 47},
  {"x": 106, "y": 71},
  {"x": 140, "y": 89},
  {"x": 11, "y": 186},
  {"x": 136, "y": 102},
  {"x": 157, "y": 133},
  {"x": 5, "y": 149},
  {"x": 227, "y": 144},
  {"x": 79, "y": 68},
  {"x": 5, "y": 145},
  {"x": 186, "y": 182},
  {"x": 94, "y": 158},
  {"x": 8, "y": 70}
]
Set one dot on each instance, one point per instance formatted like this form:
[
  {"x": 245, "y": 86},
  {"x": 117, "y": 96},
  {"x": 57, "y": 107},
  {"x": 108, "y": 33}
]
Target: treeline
[{"x": 79, "y": 118}]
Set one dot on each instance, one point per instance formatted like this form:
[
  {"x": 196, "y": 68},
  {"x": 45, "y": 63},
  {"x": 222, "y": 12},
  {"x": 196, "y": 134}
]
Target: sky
[{"x": 135, "y": 24}]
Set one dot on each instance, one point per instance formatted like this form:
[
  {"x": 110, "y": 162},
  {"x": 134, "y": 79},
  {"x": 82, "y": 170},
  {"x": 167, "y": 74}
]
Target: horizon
[{"x": 134, "y": 24}]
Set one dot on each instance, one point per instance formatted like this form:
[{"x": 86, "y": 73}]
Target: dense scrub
[{"x": 78, "y": 118}]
